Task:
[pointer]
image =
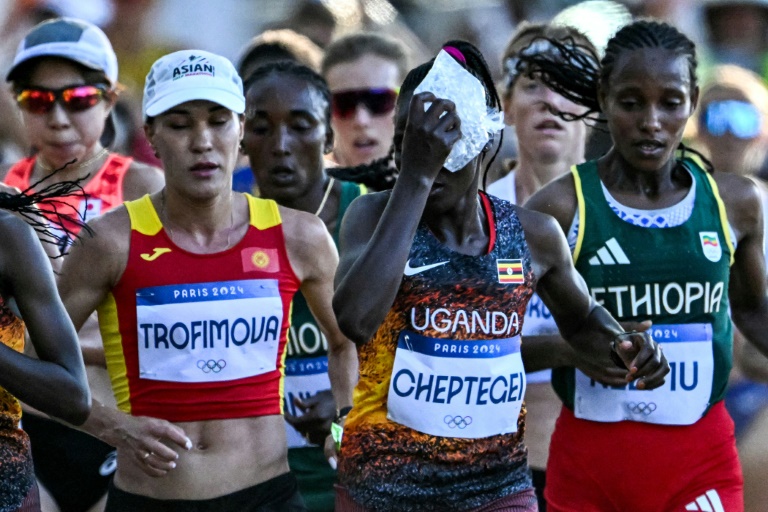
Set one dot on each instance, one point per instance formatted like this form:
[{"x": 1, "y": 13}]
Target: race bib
[
  {"x": 683, "y": 398},
  {"x": 303, "y": 378},
  {"x": 209, "y": 332},
  {"x": 453, "y": 388}
]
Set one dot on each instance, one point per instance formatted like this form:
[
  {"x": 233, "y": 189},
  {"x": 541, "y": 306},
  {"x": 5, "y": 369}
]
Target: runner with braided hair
[
  {"x": 287, "y": 134},
  {"x": 55, "y": 381},
  {"x": 656, "y": 237}
]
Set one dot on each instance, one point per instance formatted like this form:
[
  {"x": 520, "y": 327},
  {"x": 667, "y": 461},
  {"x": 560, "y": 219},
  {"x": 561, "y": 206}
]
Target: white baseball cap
[
  {"x": 68, "y": 38},
  {"x": 192, "y": 75}
]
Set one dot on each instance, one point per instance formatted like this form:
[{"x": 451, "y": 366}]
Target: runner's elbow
[
  {"x": 352, "y": 323},
  {"x": 77, "y": 407}
]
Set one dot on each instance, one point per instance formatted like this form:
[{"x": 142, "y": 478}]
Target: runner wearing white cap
[{"x": 193, "y": 286}]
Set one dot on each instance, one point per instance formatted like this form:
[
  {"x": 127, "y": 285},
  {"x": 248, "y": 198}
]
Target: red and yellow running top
[{"x": 193, "y": 337}]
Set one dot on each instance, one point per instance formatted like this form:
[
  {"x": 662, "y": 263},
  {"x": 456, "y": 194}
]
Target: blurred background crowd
[{"x": 726, "y": 31}]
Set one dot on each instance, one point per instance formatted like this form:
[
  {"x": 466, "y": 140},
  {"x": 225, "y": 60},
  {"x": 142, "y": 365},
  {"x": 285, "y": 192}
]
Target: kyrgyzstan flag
[{"x": 256, "y": 259}]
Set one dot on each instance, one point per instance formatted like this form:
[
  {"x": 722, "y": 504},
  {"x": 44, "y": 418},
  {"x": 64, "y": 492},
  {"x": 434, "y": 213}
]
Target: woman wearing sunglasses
[
  {"x": 64, "y": 78},
  {"x": 364, "y": 71},
  {"x": 731, "y": 121}
]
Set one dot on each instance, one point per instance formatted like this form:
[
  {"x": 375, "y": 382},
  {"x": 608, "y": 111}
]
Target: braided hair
[
  {"x": 40, "y": 208},
  {"x": 527, "y": 34},
  {"x": 575, "y": 72},
  {"x": 473, "y": 62},
  {"x": 296, "y": 70},
  {"x": 380, "y": 174}
]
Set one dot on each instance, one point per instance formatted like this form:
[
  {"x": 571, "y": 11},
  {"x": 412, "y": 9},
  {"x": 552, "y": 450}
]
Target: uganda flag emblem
[
  {"x": 256, "y": 259},
  {"x": 510, "y": 271}
]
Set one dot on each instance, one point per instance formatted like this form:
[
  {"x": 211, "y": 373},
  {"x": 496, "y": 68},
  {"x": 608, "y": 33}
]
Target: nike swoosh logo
[
  {"x": 412, "y": 271},
  {"x": 159, "y": 251}
]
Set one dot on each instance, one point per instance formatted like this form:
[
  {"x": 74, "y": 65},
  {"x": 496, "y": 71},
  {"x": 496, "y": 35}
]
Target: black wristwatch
[{"x": 341, "y": 413}]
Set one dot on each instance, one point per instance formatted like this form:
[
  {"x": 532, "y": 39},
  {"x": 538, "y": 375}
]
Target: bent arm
[
  {"x": 544, "y": 351},
  {"x": 378, "y": 229},
  {"x": 587, "y": 327},
  {"x": 88, "y": 274},
  {"x": 312, "y": 253},
  {"x": 93, "y": 265},
  {"x": 55, "y": 383},
  {"x": 376, "y": 237}
]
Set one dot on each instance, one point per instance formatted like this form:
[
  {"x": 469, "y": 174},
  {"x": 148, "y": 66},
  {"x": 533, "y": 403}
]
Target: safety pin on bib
[{"x": 408, "y": 343}]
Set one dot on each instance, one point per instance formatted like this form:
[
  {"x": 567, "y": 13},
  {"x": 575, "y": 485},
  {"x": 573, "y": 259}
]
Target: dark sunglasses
[
  {"x": 378, "y": 101},
  {"x": 76, "y": 98},
  {"x": 740, "y": 118}
]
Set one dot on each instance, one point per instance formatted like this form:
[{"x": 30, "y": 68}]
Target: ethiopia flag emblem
[
  {"x": 510, "y": 271},
  {"x": 710, "y": 244}
]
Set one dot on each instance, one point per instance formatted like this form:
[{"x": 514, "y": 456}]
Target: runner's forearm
[
  {"x": 545, "y": 351},
  {"x": 342, "y": 371}
]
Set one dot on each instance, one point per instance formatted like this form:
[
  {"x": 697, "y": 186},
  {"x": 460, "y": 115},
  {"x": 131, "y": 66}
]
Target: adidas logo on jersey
[
  {"x": 707, "y": 502},
  {"x": 610, "y": 254}
]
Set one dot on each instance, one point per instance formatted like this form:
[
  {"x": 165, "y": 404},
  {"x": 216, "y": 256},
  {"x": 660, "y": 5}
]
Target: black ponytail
[{"x": 378, "y": 175}]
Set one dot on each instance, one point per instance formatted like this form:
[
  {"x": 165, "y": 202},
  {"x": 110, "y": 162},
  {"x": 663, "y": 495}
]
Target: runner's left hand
[
  {"x": 642, "y": 356},
  {"x": 318, "y": 412}
]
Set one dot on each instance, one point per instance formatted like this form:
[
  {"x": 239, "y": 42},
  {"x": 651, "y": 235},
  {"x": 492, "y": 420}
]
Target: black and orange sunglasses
[{"x": 75, "y": 98}]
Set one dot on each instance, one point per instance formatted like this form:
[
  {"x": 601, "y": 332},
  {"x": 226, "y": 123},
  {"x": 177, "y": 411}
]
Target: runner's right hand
[
  {"x": 147, "y": 440},
  {"x": 429, "y": 135}
]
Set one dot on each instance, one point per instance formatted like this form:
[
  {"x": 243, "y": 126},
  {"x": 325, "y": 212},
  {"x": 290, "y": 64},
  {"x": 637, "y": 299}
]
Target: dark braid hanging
[
  {"x": 42, "y": 207},
  {"x": 378, "y": 175},
  {"x": 572, "y": 70},
  {"x": 569, "y": 68}
]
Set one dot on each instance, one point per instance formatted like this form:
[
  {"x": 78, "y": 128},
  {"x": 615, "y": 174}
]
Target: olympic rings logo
[
  {"x": 211, "y": 366},
  {"x": 461, "y": 422},
  {"x": 641, "y": 408}
]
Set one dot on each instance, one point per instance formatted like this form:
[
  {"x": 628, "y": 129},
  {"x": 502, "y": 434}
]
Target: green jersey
[
  {"x": 306, "y": 374},
  {"x": 675, "y": 276}
]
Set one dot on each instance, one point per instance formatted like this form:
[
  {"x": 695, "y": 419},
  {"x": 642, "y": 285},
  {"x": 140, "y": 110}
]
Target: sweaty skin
[{"x": 204, "y": 459}]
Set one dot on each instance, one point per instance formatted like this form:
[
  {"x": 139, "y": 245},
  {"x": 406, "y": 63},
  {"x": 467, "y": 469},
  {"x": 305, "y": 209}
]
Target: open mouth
[
  {"x": 650, "y": 147},
  {"x": 282, "y": 175},
  {"x": 549, "y": 124},
  {"x": 204, "y": 166},
  {"x": 365, "y": 143}
]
